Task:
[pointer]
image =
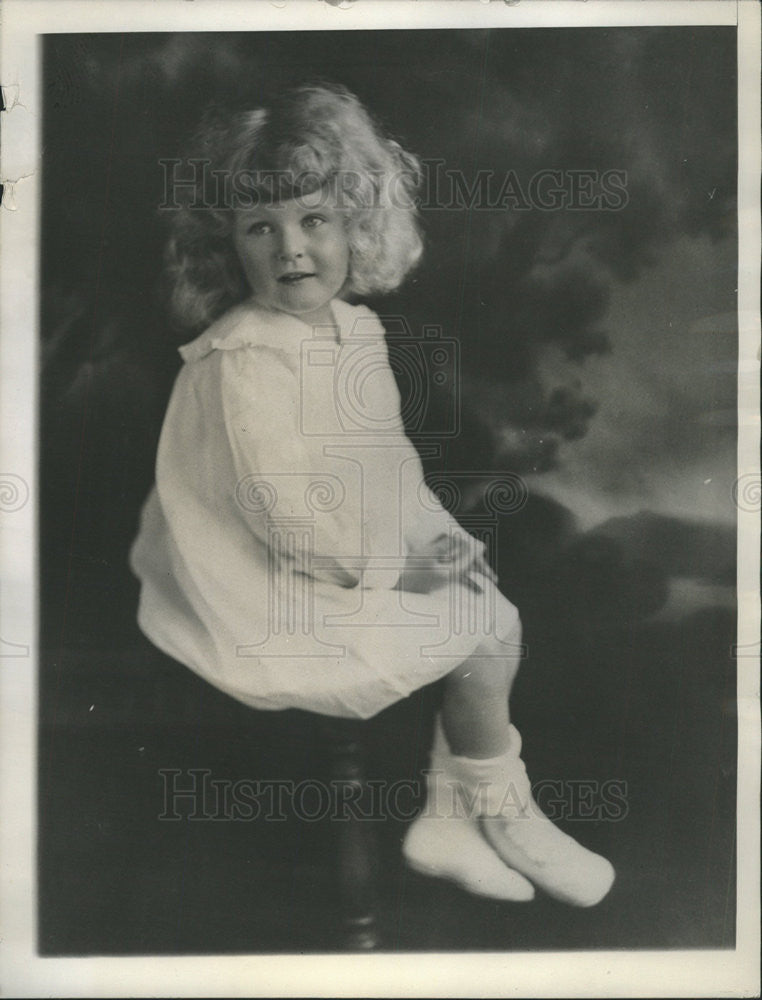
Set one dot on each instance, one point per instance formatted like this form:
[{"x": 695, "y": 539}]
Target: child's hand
[
  {"x": 480, "y": 565},
  {"x": 446, "y": 558}
]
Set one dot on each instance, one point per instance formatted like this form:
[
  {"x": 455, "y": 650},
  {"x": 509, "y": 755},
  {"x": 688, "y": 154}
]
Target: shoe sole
[{"x": 472, "y": 890}]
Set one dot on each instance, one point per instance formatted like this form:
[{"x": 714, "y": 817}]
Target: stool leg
[{"x": 355, "y": 859}]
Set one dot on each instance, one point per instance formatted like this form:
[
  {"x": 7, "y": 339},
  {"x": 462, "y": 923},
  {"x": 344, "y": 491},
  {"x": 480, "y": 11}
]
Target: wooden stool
[{"x": 353, "y": 848}]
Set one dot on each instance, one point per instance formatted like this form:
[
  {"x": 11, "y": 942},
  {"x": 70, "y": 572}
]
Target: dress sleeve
[
  {"x": 425, "y": 517},
  {"x": 304, "y": 509}
]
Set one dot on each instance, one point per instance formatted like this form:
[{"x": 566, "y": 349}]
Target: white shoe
[
  {"x": 445, "y": 843},
  {"x": 524, "y": 838},
  {"x": 550, "y": 858},
  {"x": 453, "y": 848}
]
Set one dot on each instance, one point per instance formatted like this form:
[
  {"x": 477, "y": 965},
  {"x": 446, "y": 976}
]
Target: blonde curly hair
[{"x": 315, "y": 136}]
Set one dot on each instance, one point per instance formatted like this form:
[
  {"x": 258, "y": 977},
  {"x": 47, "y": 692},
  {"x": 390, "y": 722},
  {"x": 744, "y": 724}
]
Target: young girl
[{"x": 290, "y": 552}]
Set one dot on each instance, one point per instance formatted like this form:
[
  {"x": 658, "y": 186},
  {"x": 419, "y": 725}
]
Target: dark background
[{"x": 598, "y": 362}]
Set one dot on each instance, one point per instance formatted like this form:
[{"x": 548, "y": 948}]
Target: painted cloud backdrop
[{"x": 598, "y": 363}]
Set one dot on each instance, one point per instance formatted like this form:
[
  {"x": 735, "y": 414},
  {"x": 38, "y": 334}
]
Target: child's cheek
[{"x": 240, "y": 257}]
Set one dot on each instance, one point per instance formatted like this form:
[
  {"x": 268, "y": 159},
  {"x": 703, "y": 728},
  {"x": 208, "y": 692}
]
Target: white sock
[{"x": 495, "y": 786}]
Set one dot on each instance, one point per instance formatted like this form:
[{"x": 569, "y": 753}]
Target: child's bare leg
[{"x": 475, "y": 713}]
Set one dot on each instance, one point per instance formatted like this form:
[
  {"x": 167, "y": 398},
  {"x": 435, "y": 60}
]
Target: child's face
[{"x": 295, "y": 254}]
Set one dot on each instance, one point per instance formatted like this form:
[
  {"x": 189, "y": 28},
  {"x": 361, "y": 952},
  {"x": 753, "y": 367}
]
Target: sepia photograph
[{"x": 387, "y": 509}]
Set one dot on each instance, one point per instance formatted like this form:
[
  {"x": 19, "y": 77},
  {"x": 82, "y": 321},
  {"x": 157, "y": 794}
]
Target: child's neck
[{"x": 320, "y": 317}]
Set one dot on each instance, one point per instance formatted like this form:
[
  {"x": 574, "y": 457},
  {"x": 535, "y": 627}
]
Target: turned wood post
[{"x": 353, "y": 840}]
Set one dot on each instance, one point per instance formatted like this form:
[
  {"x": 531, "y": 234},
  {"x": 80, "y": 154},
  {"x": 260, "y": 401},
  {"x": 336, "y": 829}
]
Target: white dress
[{"x": 287, "y": 499}]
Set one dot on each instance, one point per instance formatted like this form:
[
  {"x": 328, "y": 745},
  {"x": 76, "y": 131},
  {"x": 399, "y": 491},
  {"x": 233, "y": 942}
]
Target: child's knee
[
  {"x": 489, "y": 671},
  {"x": 508, "y": 624},
  {"x": 504, "y": 637},
  {"x": 503, "y": 644}
]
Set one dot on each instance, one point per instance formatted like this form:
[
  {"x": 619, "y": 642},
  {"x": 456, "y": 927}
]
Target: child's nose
[{"x": 291, "y": 243}]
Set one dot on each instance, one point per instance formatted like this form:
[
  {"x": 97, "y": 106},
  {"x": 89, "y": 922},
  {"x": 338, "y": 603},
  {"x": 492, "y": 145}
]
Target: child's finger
[
  {"x": 472, "y": 584},
  {"x": 489, "y": 571},
  {"x": 461, "y": 548}
]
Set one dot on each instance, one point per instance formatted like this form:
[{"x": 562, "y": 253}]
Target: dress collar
[{"x": 251, "y": 325}]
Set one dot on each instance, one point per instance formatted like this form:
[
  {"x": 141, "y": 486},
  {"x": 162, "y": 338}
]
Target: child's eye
[{"x": 259, "y": 228}]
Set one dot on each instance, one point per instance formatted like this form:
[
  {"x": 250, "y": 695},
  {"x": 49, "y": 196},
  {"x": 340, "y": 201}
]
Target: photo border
[{"x": 568, "y": 974}]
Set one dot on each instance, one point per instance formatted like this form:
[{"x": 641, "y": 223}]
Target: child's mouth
[{"x": 294, "y": 277}]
